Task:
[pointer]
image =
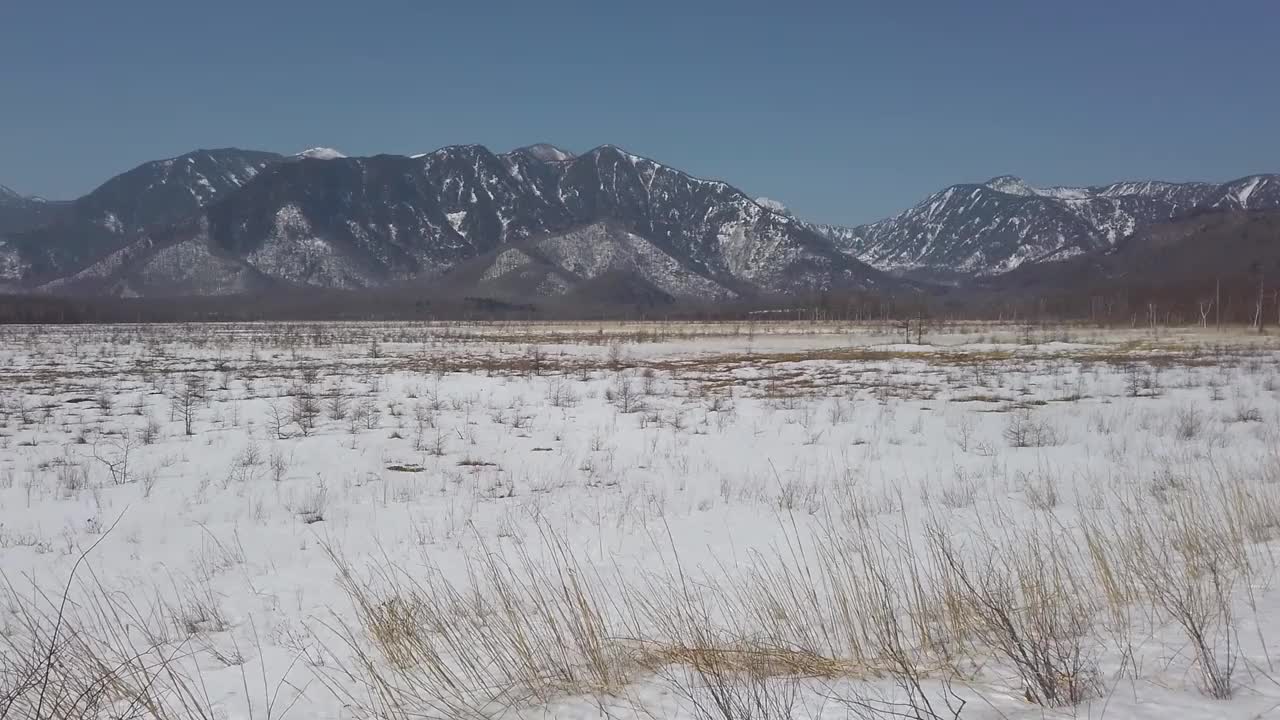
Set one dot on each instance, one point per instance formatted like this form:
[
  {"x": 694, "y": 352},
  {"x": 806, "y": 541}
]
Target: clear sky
[{"x": 846, "y": 111}]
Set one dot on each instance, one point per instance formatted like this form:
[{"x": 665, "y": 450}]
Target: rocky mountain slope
[
  {"x": 541, "y": 221},
  {"x": 342, "y": 222},
  {"x": 72, "y": 235},
  {"x": 996, "y": 226},
  {"x": 19, "y": 213},
  {"x": 1221, "y": 243}
]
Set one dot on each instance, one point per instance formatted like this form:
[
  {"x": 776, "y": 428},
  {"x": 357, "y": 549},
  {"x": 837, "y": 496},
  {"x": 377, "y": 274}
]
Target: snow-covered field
[{"x": 772, "y": 520}]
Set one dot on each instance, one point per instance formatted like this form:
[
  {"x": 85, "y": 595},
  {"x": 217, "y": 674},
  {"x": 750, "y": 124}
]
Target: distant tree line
[{"x": 1241, "y": 299}]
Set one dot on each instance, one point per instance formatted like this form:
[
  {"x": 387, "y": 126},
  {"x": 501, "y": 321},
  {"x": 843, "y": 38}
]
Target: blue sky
[{"x": 846, "y": 111}]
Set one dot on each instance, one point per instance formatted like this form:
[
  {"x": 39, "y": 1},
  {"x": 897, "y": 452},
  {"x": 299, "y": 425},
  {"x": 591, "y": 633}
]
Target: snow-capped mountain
[
  {"x": 547, "y": 152},
  {"x": 540, "y": 220},
  {"x": 774, "y": 206},
  {"x": 321, "y": 153},
  {"x": 992, "y": 227},
  {"x": 1255, "y": 192},
  {"x": 463, "y": 211}
]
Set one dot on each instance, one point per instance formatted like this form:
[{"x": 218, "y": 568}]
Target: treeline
[{"x": 1236, "y": 300}]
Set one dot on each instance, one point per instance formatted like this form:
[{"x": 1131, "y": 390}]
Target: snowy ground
[{"x": 767, "y": 520}]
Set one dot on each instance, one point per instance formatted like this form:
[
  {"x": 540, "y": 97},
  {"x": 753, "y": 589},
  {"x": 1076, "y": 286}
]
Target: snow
[
  {"x": 758, "y": 445},
  {"x": 1065, "y": 193},
  {"x": 12, "y": 267},
  {"x": 548, "y": 153},
  {"x": 505, "y": 262},
  {"x": 294, "y": 252},
  {"x": 1011, "y": 185},
  {"x": 111, "y": 222},
  {"x": 773, "y": 206},
  {"x": 593, "y": 250},
  {"x": 457, "y": 218},
  {"x": 321, "y": 153},
  {"x": 1245, "y": 191}
]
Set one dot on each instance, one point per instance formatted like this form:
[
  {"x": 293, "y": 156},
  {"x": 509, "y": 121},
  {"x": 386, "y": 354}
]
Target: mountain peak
[
  {"x": 321, "y": 153},
  {"x": 1011, "y": 185},
  {"x": 547, "y": 152},
  {"x": 774, "y": 206}
]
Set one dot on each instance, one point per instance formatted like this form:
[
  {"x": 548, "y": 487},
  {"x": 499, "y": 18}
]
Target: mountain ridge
[
  {"x": 992, "y": 227},
  {"x": 372, "y": 221},
  {"x": 226, "y": 220}
]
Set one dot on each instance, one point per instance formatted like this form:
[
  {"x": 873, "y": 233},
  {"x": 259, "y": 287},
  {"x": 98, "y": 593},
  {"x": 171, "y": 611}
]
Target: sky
[{"x": 846, "y": 111}]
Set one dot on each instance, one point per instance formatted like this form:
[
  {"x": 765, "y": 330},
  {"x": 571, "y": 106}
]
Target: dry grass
[{"x": 961, "y": 593}]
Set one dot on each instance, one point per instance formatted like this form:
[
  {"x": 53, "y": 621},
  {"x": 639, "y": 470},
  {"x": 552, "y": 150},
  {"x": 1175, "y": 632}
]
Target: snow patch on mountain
[
  {"x": 505, "y": 262},
  {"x": 596, "y": 249},
  {"x": 773, "y": 206},
  {"x": 293, "y": 252},
  {"x": 457, "y": 218},
  {"x": 191, "y": 263},
  {"x": 1011, "y": 185},
  {"x": 1246, "y": 192},
  {"x": 321, "y": 153},
  {"x": 547, "y": 152},
  {"x": 12, "y": 266}
]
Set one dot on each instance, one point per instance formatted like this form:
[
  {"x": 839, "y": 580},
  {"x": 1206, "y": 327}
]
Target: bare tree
[
  {"x": 1205, "y": 306},
  {"x": 1257, "y": 314},
  {"x": 278, "y": 421},
  {"x": 114, "y": 456},
  {"x": 304, "y": 409},
  {"x": 183, "y": 404}
]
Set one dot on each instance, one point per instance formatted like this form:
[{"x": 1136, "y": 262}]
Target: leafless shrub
[
  {"x": 105, "y": 401},
  {"x": 1042, "y": 491},
  {"x": 195, "y": 609},
  {"x": 964, "y": 431},
  {"x": 751, "y": 690},
  {"x": 279, "y": 464},
  {"x": 114, "y": 456},
  {"x": 615, "y": 355},
  {"x": 1188, "y": 422},
  {"x": 648, "y": 381},
  {"x": 622, "y": 394},
  {"x": 277, "y": 420},
  {"x": 304, "y": 408},
  {"x": 1023, "y": 429},
  {"x": 1027, "y": 604},
  {"x": 311, "y": 508},
  {"x": 150, "y": 431},
  {"x": 1141, "y": 380},
  {"x": 560, "y": 392},
  {"x": 338, "y": 405},
  {"x": 959, "y": 494},
  {"x": 366, "y": 414},
  {"x": 72, "y": 477},
  {"x": 1244, "y": 411}
]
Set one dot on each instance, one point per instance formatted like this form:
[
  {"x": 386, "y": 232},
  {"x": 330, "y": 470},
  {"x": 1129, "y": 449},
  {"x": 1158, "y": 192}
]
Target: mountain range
[
  {"x": 541, "y": 221},
  {"x": 993, "y": 227}
]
